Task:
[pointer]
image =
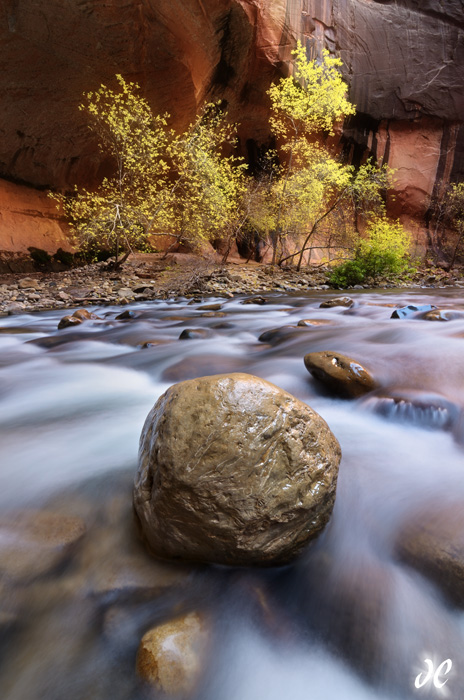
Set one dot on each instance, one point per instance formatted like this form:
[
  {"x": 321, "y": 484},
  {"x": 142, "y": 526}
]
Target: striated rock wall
[{"x": 403, "y": 60}]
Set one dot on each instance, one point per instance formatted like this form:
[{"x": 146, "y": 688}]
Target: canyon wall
[{"x": 403, "y": 60}]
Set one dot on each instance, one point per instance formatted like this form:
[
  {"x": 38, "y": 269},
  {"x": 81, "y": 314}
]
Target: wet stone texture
[
  {"x": 247, "y": 480},
  {"x": 340, "y": 374}
]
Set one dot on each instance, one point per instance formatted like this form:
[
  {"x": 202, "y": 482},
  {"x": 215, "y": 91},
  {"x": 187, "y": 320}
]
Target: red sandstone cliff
[{"x": 403, "y": 60}]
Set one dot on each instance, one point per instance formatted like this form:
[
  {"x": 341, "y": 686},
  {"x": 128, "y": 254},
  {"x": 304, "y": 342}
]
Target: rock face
[
  {"x": 403, "y": 61},
  {"x": 342, "y": 375},
  {"x": 234, "y": 470}
]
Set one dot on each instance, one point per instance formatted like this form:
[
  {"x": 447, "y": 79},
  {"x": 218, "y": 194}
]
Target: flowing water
[{"x": 349, "y": 621}]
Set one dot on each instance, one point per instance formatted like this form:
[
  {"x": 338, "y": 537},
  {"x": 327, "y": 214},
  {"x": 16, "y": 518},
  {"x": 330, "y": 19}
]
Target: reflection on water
[{"x": 346, "y": 621}]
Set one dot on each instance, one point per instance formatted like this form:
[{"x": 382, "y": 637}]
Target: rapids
[{"x": 348, "y": 621}]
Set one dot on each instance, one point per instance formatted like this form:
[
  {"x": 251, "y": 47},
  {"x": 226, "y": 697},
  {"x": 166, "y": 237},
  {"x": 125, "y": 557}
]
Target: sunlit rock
[
  {"x": 337, "y": 301},
  {"x": 234, "y": 470},
  {"x": 77, "y": 318},
  {"x": 340, "y": 374},
  {"x": 172, "y": 657}
]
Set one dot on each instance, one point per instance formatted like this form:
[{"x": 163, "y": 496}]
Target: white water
[{"x": 351, "y": 621}]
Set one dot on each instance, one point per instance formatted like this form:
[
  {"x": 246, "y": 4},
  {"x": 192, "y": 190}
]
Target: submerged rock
[
  {"x": 172, "y": 657},
  {"x": 342, "y": 375},
  {"x": 432, "y": 541},
  {"x": 34, "y": 543},
  {"x": 248, "y": 479}
]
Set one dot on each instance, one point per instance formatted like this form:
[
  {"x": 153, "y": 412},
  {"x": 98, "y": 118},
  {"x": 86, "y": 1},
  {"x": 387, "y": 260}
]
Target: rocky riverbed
[{"x": 147, "y": 277}]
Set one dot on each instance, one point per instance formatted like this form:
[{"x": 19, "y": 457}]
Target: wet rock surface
[
  {"x": 249, "y": 481},
  {"x": 337, "y": 301},
  {"x": 340, "y": 374},
  {"x": 172, "y": 657}
]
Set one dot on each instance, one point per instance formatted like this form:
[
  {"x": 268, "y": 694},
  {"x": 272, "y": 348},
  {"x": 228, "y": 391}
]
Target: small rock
[
  {"x": 172, "y": 656},
  {"x": 278, "y": 335},
  {"x": 69, "y": 321},
  {"x": 411, "y": 309},
  {"x": 210, "y": 307},
  {"x": 313, "y": 322},
  {"x": 126, "y": 315},
  {"x": 14, "y": 308},
  {"x": 28, "y": 283},
  {"x": 125, "y": 293},
  {"x": 255, "y": 300},
  {"x": 337, "y": 301},
  {"x": 194, "y": 333},
  {"x": 342, "y": 375}
]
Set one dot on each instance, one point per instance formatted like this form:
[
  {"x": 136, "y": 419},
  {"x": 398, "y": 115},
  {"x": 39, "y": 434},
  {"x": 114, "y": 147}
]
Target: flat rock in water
[
  {"x": 337, "y": 301},
  {"x": 234, "y": 470},
  {"x": 411, "y": 310},
  {"x": 340, "y": 374}
]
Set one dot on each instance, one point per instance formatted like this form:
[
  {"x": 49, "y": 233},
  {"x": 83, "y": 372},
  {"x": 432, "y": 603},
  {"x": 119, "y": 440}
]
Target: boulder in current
[
  {"x": 234, "y": 470},
  {"x": 342, "y": 375}
]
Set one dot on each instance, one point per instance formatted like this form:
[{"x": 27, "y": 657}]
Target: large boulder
[{"x": 234, "y": 470}]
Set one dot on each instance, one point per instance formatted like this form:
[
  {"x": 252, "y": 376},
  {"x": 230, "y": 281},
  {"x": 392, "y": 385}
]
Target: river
[{"x": 348, "y": 621}]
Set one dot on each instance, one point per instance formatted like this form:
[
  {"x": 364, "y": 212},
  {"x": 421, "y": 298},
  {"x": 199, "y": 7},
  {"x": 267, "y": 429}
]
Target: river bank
[{"x": 148, "y": 276}]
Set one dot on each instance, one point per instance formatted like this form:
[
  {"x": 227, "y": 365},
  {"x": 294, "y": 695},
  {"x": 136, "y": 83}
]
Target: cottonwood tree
[
  {"x": 303, "y": 106},
  {"x": 181, "y": 185}
]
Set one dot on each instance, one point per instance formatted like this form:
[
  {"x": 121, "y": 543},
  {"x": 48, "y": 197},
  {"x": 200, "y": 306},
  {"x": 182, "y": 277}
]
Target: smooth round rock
[
  {"x": 172, "y": 656},
  {"x": 234, "y": 470},
  {"x": 342, "y": 375}
]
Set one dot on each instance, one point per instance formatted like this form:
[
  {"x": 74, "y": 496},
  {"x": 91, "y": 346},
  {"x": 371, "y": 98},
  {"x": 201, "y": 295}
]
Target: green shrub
[
  {"x": 347, "y": 274},
  {"x": 382, "y": 253}
]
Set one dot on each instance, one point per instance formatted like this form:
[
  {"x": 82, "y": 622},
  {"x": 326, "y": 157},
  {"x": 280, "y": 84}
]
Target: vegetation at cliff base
[
  {"x": 179, "y": 185},
  {"x": 192, "y": 188}
]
